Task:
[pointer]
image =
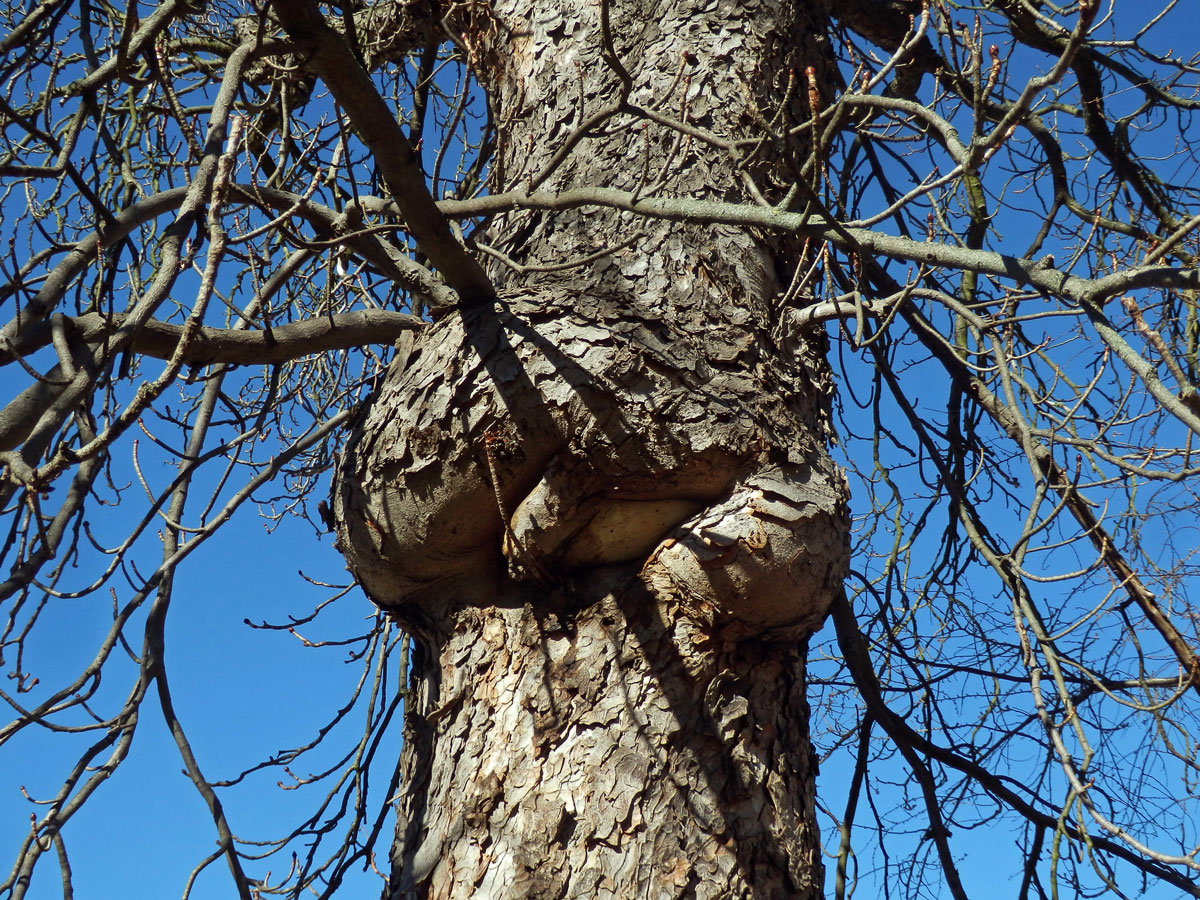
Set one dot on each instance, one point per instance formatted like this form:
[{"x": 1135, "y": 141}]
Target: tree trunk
[{"x": 603, "y": 501}]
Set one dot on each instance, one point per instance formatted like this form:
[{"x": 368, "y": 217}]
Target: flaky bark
[
  {"x": 603, "y": 500},
  {"x": 626, "y": 753}
]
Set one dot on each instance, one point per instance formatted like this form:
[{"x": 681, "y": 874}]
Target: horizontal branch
[
  {"x": 345, "y": 226},
  {"x": 1021, "y": 271},
  {"x": 238, "y": 347},
  {"x": 220, "y": 346},
  {"x": 83, "y": 254}
]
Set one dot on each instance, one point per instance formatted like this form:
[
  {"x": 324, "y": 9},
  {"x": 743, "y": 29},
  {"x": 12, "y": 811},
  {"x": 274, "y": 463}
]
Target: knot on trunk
[{"x": 556, "y": 433}]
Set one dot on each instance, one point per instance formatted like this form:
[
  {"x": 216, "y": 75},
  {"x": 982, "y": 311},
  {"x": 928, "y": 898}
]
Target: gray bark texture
[{"x": 602, "y": 500}]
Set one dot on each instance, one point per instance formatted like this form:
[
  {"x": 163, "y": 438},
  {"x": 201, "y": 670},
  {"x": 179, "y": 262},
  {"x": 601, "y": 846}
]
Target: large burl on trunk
[{"x": 602, "y": 500}]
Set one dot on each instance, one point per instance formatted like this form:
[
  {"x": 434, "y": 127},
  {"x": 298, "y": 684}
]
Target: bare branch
[
  {"x": 379, "y": 130},
  {"x": 227, "y": 346}
]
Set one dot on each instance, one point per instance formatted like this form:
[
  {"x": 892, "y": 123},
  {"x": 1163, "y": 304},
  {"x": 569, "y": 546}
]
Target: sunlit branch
[
  {"x": 377, "y": 127},
  {"x": 1016, "y": 269},
  {"x": 229, "y": 346},
  {"x": 15, "y": 338}
]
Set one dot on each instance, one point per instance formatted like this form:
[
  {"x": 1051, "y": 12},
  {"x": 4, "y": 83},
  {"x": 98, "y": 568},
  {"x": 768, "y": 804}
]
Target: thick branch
[
  {"x": 378, "y": 129},
  {"x": 207, "y": 346},
  {"x": 714, "y": 212}
]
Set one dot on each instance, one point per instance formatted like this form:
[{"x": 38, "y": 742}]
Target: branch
[
  {"x": 378, "y": 129},
  {"x": 346, "y": 227},
  {"x": 282, "y": 343},
  {"x": 206, "y": 346},
  {"x": 1042, "y": 456},
  {"x": 856, "y": 652},
  {"x": 1021, "y": 271},
  {"x": 856, "y": 656}
]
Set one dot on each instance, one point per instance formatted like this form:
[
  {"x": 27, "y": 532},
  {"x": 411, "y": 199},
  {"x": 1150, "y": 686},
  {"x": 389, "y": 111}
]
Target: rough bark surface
[
  {"x": 603, "y": 500},
  {"x": 627, "y": 753}
]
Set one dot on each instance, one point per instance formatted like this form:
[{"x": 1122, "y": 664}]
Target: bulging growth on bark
[{"x": 517, "y": 447}]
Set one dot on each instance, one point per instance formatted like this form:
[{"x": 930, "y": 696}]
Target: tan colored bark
[{"x": 625, "y": 753}]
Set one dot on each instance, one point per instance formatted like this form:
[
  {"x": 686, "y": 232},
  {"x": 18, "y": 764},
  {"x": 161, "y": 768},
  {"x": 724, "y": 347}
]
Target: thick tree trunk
[
  {"x": 603, "y": 502},
  {"x": 627, "y": 753}
]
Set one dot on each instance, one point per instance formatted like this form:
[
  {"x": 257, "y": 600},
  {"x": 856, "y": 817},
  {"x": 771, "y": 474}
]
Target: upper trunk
[{"x": 604, "y": 501}]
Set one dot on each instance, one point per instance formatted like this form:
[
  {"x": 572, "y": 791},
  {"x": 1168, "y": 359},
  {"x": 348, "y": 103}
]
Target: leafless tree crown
[{"x": 222, "y": 222}]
